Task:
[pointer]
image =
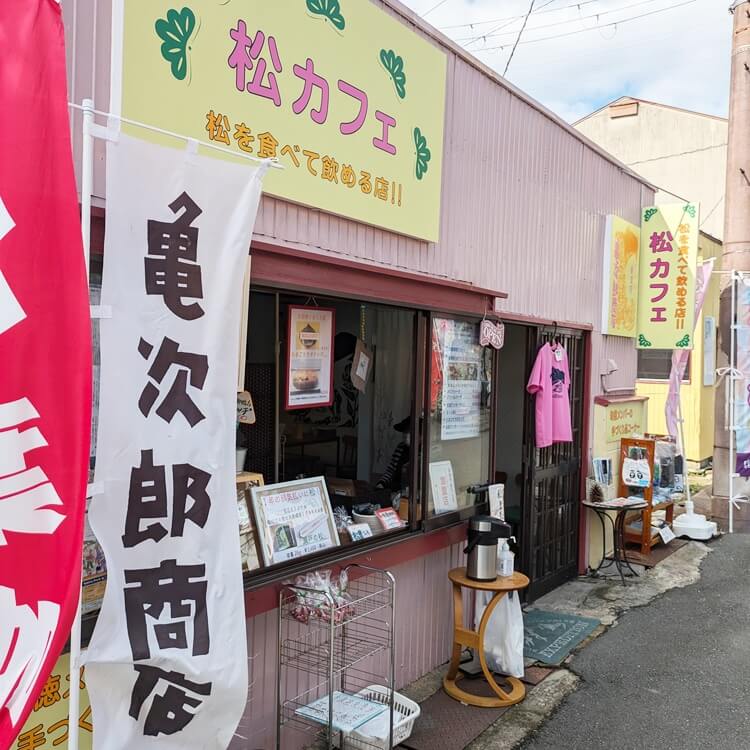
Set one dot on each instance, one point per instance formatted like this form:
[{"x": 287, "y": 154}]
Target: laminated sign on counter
[{"x": 167, "y": 662}]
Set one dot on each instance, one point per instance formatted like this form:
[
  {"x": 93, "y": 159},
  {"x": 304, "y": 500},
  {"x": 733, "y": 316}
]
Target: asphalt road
[{"x": 674, "y": 675}]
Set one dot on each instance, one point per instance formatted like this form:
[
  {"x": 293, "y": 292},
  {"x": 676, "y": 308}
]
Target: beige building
[{"x": 684, "y": 154}]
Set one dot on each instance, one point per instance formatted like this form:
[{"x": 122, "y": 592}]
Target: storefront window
[
  {"x": 460, "y": 415},
  {"x": 330, "y": 454}
]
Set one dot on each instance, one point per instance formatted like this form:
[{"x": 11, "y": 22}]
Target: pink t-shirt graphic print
[{"x": 550, "y": 381}]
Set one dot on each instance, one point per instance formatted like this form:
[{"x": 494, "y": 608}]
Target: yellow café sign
[
  {"x": 350, "y": 100},
  {"x": 666, "y": 293}
]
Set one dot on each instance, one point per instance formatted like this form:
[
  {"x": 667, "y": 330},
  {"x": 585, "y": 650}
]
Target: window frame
[
  {"x": 687, "y": 377},
  {"x": 266, "y": 575},
  {"x": 443, "y": 520}
]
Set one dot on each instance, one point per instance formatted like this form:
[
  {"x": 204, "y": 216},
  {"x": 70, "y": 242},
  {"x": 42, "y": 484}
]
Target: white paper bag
[{"x": 503, "y": 639}]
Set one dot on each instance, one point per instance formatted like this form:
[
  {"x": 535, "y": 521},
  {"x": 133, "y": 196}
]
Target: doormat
[
  {"x": 549, "y": 637},
  {"x": 447, "y": 724}
]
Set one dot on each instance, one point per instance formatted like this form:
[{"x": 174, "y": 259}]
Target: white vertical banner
[{"x": 167, "y": 663}]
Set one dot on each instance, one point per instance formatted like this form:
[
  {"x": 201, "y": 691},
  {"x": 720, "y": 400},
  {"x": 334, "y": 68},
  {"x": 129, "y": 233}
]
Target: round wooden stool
[{"x": 475, "y": 639}]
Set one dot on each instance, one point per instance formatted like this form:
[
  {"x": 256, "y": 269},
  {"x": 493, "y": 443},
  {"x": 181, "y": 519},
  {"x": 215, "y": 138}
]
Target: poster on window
[
  {"x": 443, "y": 487},
  {"x": 294, "y": 519},
  {"x": 462, "y": 379},
  {"x": 94, "y": 569},
  {"x": 166, "y": 666},
  {"x": 309, "y": 357}
]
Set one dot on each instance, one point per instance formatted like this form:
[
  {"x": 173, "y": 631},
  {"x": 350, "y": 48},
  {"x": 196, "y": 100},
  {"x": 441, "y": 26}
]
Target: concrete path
[{"x": 673, "y": 675}]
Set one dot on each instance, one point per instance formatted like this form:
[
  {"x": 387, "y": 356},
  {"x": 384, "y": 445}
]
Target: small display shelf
[
  {"x": 329, "y": 650},
  {"x": 642, "y": 533}
]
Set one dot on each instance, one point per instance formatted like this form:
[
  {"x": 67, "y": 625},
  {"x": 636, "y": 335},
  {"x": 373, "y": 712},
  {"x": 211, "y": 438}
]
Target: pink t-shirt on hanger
[{"x": 550, "y": 381}]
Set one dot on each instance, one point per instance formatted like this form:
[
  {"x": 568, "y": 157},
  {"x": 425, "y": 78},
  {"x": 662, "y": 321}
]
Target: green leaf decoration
[
  {"x": 684, "y": 341},
  {"x": 423, "y": 153},
  {"x": 690, "y": 210},
  {"x": 175, "y": 31},
  {"x": 394, "y": 64},
  {"x": 643, "y": 341},
  {"x": 648, "y": 213},
  {"x": 330, "y": 9}
]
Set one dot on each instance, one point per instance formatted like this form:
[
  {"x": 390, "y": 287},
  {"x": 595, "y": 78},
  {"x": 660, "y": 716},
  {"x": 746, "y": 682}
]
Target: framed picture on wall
[
  {"x": 293, "y": 519},
  {"x": 309, "y": 357}
]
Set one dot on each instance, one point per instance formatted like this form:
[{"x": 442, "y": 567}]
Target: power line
[
  {"x": 518, "y": 38},
  {"x": 502, "y": 26},
  {"x": 515, "y": 18},
  {"x": 572, "y": 20},
  {"x": 593, "y": 28},
  {"x": 434, "y": 7},
  {"x": 680, "y": 153},
  {"x": 616, "y": 44},
  {"x": 708, "y": 215}
]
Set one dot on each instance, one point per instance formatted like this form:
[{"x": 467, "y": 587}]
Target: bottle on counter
[{"x": 505, "y": 558}]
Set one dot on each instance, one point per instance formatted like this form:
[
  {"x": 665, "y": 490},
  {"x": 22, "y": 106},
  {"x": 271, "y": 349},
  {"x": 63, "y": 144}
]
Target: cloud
[{"x": 680, "y": 56}]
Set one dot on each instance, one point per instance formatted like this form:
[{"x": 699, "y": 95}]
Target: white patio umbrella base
[{"x": 694, "y": 525}]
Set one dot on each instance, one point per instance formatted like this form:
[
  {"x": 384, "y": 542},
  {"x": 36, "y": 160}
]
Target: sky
[{"x": 678, "y": 54}]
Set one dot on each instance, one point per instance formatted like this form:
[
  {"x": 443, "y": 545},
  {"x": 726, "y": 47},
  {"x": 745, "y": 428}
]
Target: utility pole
[{"x": 736, "y": 253}]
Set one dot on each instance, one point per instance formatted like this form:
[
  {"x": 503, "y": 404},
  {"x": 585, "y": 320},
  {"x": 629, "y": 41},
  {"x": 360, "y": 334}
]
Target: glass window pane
[
  {"x": 657, "y": 364},
  {"x": 460, "y": 411},
  {"x": 359, "y": 443}
]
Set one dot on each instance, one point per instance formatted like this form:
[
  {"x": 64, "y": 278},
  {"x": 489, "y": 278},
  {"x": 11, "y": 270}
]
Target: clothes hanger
[{"x": 555, "y": 337}]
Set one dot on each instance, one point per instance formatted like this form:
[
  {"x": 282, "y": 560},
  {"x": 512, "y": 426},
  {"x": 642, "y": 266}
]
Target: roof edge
[
  {"x": 653, "y": 104},
  {"x": 711, "y": 237}
]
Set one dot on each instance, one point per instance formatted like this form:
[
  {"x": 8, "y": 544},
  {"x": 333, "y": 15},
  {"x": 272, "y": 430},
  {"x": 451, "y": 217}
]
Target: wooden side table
[{"x": 463, "y": 636}]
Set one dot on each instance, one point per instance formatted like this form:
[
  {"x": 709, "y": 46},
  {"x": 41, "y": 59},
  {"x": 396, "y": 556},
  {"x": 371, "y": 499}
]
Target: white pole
[
  {"x": 683, "y": 452},
  {"x": 732, "y": 434},
  {"x": 87, "y": 179},
  {"x": 732, "y": 415}
]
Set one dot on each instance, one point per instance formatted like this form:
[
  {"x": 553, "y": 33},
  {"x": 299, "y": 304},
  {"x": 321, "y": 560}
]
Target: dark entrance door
[{"x": 549, "y": 528}]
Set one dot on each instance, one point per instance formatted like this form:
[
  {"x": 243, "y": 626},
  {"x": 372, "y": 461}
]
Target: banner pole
[
  {"x": 732, "y": 434},
  {"x": 683, "y": 452},
  {"x": 87, "y": 179}
]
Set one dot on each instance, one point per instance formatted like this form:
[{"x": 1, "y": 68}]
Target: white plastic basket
[{"x": 402, "y": 728}]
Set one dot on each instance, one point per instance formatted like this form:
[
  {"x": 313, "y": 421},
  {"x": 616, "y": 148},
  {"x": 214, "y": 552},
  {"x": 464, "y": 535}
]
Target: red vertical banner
[{"x": 45, "y": 359}]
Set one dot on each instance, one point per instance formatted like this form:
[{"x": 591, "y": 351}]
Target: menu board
[
  {"x": 248, "y": 547},
  {"x": 309, "y": 380},
  {"x": 462, "y": 379},
  {"x": 293, "y": 519}
]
